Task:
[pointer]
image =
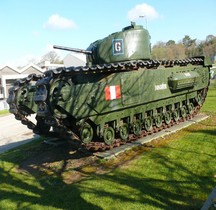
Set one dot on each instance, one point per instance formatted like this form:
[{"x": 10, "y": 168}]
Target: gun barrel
[{"x": 72, "y": 49}]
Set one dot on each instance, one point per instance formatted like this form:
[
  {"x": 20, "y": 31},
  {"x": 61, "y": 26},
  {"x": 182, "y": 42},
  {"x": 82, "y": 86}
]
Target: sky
[{"x": 29, "y": 28}]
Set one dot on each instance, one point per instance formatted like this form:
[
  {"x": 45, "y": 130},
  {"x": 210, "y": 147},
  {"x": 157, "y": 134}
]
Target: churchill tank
[{"x": 120, "y": 95}]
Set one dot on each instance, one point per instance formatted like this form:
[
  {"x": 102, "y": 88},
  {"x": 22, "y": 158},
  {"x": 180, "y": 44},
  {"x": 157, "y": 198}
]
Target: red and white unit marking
[{"x": 112, "y": 92}]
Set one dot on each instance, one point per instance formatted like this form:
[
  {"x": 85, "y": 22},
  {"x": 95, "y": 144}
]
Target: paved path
[{"x": 13, "y": 132}]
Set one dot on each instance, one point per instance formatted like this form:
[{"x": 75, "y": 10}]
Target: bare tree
[{"x": 51, "y": 56}]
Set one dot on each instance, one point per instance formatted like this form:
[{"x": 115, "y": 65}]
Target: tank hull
[{"x": 107, "y": 99}]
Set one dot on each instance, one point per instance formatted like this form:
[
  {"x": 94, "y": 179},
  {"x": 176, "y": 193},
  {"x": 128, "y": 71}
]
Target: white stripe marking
[{"x": 112, "y": 92}]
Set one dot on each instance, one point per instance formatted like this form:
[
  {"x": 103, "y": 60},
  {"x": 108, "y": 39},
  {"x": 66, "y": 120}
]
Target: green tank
[{"x": 121, "y": 94}]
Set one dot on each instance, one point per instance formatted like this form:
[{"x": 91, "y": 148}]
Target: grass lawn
[
  {"x": 177, "y": 172},
  {"x": 3, "y": 112}
]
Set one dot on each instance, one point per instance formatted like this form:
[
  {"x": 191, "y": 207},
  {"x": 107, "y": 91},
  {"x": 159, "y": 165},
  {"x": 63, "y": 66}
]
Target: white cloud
[
  {"x": 145, "y": 10},
  {"x": 58, "y": 22}
]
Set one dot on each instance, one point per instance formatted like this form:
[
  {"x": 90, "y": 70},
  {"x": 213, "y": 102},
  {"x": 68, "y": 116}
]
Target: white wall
[{"x": 4, "y": 79}]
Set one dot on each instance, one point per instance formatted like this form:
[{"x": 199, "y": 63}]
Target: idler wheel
[
  {"x": 22, "y": 95},
  {"x": 124, "y": 131},
  {"x": 137, "y": 127},
  {"x": 86, "y": 133},
  {"x": 109, "y": 135}
]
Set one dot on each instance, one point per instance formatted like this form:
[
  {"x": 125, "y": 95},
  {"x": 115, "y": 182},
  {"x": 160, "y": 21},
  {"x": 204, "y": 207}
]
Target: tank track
[
  {"x": 12, "y": 100},
  {"x": 127, "y": 66},
  {"x": 63, "y": 131}
]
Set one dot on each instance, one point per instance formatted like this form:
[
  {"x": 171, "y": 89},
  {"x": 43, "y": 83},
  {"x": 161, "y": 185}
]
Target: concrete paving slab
[
  {"x": 13, "y": 133},
  {"x": 15, "y": 141},
  {"x": 116, "y": 151}
]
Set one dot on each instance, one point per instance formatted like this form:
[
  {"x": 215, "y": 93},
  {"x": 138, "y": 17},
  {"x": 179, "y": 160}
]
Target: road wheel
[
  {"x": 183, "y": 111},
  {"x": 176, "y": 115},
  {"x": 148, "y": 123},
  {"x": 167, "y": 117},
  {"x": 109, "y": 135},
  {"x": 86, "y": 133},
  {"x": 158, "y": 120},
  {"x": 124, "y": 131},
  {"x": 137, "y": 127}
]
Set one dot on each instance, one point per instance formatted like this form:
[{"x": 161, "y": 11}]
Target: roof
[
  {"x": 21, "y": 70},
  {"x": 73, "y": 60}
]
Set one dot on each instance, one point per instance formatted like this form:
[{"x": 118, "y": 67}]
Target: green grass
[
  {"x": 178, "y": 172},
  {"x": 3, "y": 112},
  {"x": 209, "y": 107}
]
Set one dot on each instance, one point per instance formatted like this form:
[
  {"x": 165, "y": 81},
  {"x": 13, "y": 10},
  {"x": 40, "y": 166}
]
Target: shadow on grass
[
  {"x": 50, "y": 193},
  {"x": 181, "y": 178},
  {"x": 29, "y": 187},
  {"x": 171, "y": 184},
  {"x": 158, "y": 180},
  {"x": 208, "y": 132}
]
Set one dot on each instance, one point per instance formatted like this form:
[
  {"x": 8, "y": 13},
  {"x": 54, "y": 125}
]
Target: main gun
[{"x": 72, "y": 49}]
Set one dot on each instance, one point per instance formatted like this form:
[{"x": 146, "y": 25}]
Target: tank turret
[{"x": 132, "y": 43}]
